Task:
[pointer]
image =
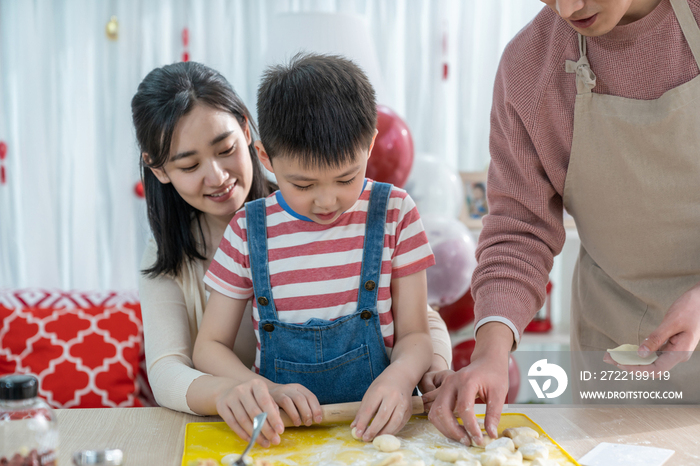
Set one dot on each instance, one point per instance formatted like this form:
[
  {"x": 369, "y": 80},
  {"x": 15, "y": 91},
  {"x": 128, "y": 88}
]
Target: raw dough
[
  {"x": 493, "y": 458},
  {"x": 503, "y": 442},
  {"x": 627, "y": 356},
  {"x": 487, "y": 440},
  {"x": 468, "y": 463},
  {"x": 532, "y": 451},
  {"x": 452, "y": 455},
  {"x": 229, "y": 459},
  {"x": 199, "y": 462},
  {"x": 515, "y": 431},
  {"x": 394, "y": 459},
  {"x": 543, "y": 462},
  {"x": 353, "y": 432},
  {"x": 386, "y": 443},
  {"x": 520, "y": 440}
]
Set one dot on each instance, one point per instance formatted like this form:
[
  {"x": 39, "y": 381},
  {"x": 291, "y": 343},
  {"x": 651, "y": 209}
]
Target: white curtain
[{"x": 68, "y": 216}]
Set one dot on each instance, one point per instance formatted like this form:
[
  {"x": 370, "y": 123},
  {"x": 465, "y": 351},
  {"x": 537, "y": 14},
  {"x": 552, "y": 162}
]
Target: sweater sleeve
[
  {"x": 167, "y": 338},
  {"x": 524, "y": 229}
]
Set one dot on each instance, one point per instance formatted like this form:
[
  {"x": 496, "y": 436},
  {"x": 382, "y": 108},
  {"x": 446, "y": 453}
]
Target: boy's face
[
  {"x": 321, "y": 194},
  {"x": 597, "y": 17}
]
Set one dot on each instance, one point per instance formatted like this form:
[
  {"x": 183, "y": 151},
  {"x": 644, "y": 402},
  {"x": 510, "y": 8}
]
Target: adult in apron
[
  {"x": 337, "y": 360},
  {"x": 632, "y": 187}
]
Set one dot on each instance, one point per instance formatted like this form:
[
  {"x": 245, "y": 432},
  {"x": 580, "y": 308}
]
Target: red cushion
[{"x": 85, "y": 348}]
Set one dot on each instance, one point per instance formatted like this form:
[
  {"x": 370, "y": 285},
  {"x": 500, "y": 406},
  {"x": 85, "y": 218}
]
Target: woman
[{"x": 199, "y": 166}]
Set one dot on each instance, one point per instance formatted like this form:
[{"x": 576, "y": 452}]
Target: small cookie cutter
[{"x": 109, "y": 457}]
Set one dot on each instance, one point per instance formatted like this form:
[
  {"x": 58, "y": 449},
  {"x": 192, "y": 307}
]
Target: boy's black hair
[
  {"x": 164, "y": 96},
  {"x": 318, "y": 109}
]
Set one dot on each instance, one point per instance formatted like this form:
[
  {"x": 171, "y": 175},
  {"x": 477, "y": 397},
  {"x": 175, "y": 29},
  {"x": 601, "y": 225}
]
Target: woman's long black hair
[{"x": 164, "y": 96}]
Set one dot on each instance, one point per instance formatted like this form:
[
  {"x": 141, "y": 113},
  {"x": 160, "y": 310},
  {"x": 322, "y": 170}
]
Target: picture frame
[{"x": 476, "y": 205}]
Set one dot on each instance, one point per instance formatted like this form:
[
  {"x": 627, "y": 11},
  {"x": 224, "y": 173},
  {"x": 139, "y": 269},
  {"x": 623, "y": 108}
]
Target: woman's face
[
  {"x": 209, "y": 164},
  {"x": 597, "y": 17}
]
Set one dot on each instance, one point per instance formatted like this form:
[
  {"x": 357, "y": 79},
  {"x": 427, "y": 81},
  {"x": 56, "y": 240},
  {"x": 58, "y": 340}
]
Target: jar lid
[
  {"x": 112, "y": 457},
  {"x": 18, "y": 387}
]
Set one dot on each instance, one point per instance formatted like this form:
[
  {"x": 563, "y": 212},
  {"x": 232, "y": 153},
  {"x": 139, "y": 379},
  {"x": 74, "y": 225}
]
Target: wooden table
[{"x": 154, "y": 436}]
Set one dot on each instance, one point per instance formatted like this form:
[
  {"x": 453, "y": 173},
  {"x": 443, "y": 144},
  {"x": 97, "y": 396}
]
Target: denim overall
[{"x": 337, "y": 360}]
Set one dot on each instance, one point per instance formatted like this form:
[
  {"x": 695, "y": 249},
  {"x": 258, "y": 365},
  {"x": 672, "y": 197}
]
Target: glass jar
[{"x": 28, "y": 426}]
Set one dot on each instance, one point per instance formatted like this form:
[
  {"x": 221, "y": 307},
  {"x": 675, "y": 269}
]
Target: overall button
[
  {"x": 370, "y": 285},
  {"x": 262, "y": 300},
  {"x": 268, "y": 327},
  {"x": 366, "y": 314}
]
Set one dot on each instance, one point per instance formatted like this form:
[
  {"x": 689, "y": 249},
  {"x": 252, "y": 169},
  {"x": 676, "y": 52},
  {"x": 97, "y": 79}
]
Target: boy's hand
[
  {"x": 300, "y": 404},
  {"x": 388, "y": 399},
  {"x": 239, "y": 405}
]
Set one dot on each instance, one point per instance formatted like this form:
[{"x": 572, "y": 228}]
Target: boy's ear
[
  {"x": 371, "y": 144},
  {"x": 263, "y": 157},
  {"x": 157, "y": 172}
]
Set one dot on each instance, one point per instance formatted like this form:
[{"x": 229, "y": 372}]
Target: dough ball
[
  {"x": 386, "y": 443},
  {"x": 418, "y": 463},
  {"x": 493, "y": 458},
  {"x": 515, "y": 431},
  {"x": 229, "y": 459},
  {"x": 503, "y": 442},
  {"x": 468, "y": 463},
  {"x": 531, "y": 451},
  {"x": 353, "y": 432},
  {"x": 393, "y": 459},
  {"x": 520, "y": 440},
  {"x": 201, "y": 462},
  {"x": 544, "y": 462},
  {"x": 487, "y": 440},
  {"x": 627, "y": 356},
  {"x": 451, "y": 455}
]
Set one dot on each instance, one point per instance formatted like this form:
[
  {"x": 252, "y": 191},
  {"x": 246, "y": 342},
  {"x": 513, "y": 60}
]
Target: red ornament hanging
[
  {"x": 3, "y": 155},
  {"x": 138, "y": 190},
  {"x": 185, "y": 56},
  {"x": 185, "y": 44}
]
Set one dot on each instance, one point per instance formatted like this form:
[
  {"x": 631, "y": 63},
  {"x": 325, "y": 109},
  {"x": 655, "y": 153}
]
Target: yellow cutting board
[{"x": 333, "y": 444}]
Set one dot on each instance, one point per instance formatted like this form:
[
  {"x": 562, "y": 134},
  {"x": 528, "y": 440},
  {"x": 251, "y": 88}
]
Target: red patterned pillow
[{"x": 85, "y": 348}]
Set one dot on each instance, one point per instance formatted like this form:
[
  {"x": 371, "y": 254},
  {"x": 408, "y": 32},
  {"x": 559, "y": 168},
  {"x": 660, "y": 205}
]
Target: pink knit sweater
[{"x": 531, "y": 134}]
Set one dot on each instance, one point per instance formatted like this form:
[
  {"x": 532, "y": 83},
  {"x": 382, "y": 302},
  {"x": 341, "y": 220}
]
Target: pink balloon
[{"x": 392, "y": 155}]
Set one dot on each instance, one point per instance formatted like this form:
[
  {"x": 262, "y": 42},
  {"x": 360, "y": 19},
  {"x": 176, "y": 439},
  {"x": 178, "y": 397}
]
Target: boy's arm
[
  {"x": 213, "y": 352},
  {"x": 388, "y": 399}
]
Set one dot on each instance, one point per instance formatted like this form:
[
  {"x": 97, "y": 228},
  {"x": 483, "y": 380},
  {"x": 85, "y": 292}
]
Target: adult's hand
[
  {"x": 486, "y": 377},
  {"x": 677, "y": 336}
]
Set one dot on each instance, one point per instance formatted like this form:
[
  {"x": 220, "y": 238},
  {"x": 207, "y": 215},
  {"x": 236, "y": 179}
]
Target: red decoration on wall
[
  {"x": 185, "y": 44},
  {"x": 3, "y": 155},
  {"x": 185, "y": 37},
  {"x": 138, "y": 190}
]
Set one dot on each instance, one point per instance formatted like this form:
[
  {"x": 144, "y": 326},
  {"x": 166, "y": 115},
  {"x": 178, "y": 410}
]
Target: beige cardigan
[{"x": 172, "y": 313}]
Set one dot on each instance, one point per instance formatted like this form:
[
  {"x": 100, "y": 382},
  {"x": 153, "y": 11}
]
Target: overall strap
[
  {"x": 257, "y": 250},
  {"x": 585, "y": 78},
  {"x": 373, "y": 245},
  {"x": 689, "y": 26}
]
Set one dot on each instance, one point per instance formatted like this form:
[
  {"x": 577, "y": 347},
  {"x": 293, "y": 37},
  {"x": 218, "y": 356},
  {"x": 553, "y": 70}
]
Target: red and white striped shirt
[{"x": 315, "y": 269}]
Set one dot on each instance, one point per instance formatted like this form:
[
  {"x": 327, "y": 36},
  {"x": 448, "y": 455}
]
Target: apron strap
[
  {"x": 689, "y": 26},
  {"x": 373, "y": 246},
  {"x": 585, "y": 78},
  {"x": 257, "y": 251}
]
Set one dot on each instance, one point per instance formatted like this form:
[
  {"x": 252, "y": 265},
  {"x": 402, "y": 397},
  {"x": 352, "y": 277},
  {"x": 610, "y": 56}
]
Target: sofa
[{"x": 86, "y": 348}]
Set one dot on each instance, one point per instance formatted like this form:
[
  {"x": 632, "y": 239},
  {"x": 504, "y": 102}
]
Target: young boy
[{"x": 335, "y": 264}]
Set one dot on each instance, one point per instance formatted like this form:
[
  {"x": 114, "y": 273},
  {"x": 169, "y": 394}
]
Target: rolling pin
[{"x": 344, "y": 412}]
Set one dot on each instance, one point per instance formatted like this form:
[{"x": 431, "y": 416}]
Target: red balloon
[
  {"x": 392, "y": 155},
  {"x": 461, "y": 357},
  {"x": 459, "y": 313},
  {"x": 138, "y": 190}
]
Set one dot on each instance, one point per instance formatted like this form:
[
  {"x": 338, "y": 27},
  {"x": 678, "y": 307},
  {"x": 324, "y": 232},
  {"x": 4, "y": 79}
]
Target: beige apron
[{"x": 633, "y": 187}]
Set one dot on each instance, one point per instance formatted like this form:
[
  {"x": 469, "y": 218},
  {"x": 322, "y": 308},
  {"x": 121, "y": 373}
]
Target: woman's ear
[
  {"x": 157, "y": 172},
  {"x": 263, "y": 157},
  {"x": 246, "y": 131}
]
